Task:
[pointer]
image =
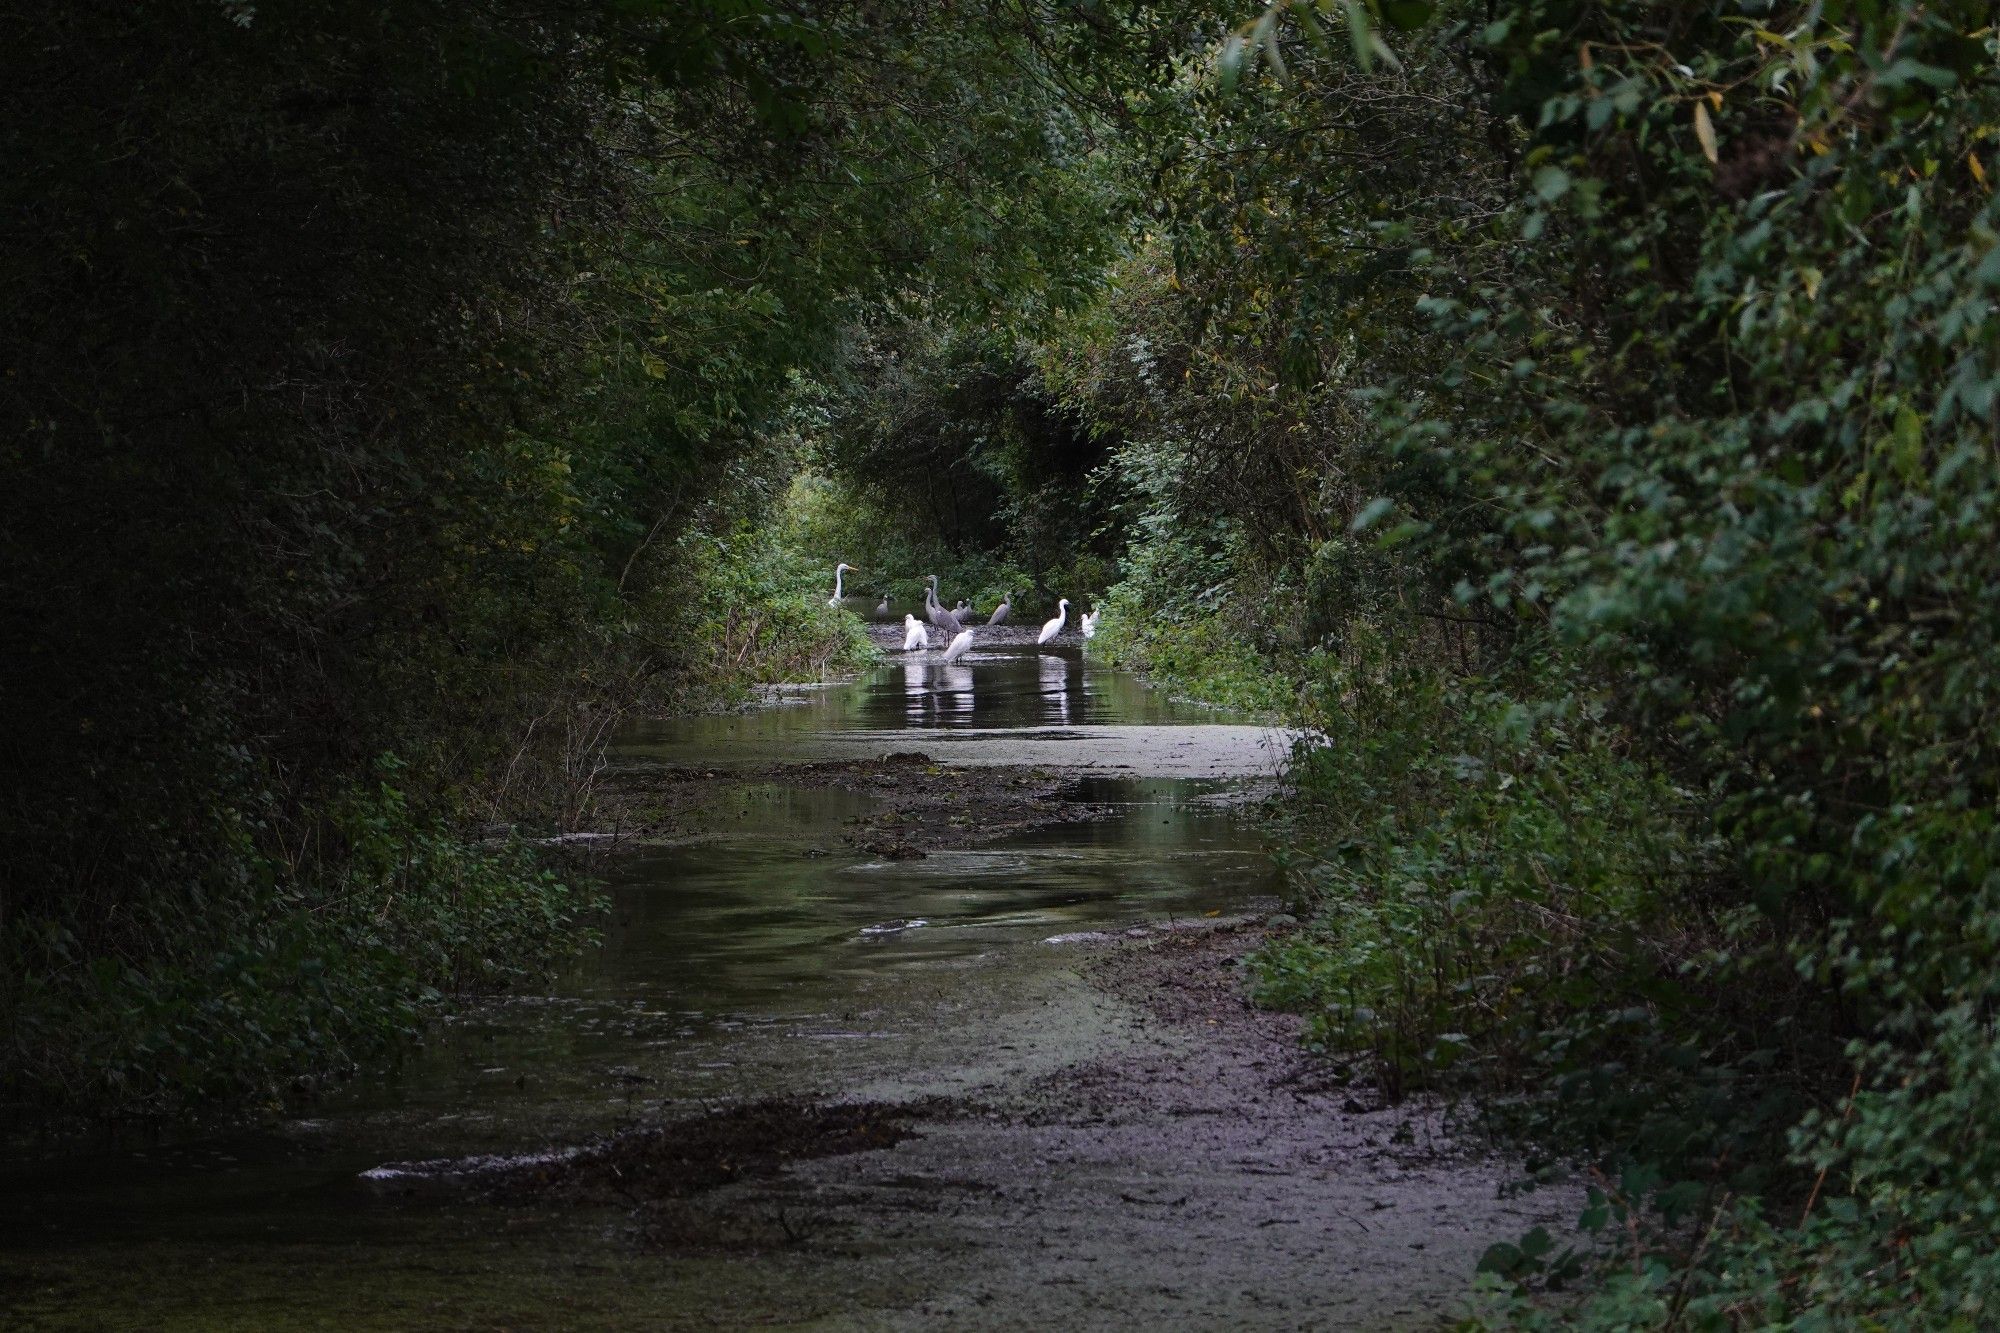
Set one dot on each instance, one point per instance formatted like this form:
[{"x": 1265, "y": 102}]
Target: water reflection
[
  {"x": 1005, "y": 682},
  {"x": 1061, "y": 677},
  {"x": 766, "y": 953},
  {"x": 935, "y": 694}
]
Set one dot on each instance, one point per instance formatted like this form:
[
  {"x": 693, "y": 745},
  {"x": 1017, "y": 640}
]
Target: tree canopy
[{"x": 1583, "y": 414}]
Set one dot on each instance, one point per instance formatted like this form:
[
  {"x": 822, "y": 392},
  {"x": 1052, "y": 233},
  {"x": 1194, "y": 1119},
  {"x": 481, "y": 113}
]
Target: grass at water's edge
[{"x": 1198, "y": 658}]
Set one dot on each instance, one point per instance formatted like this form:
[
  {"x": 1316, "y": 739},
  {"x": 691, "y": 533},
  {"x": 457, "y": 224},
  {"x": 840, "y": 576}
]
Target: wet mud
[
  {"x": 891, "y": 1028},
  {"x": 1196, "y": 1168},
  {"x": 903, "y": 805}
]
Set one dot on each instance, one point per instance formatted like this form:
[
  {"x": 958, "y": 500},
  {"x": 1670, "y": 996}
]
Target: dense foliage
[
  {"x": 1597, "y": 403},
  {"x": 1582, "y": 414},
  {"x": 393, "y": 380}
]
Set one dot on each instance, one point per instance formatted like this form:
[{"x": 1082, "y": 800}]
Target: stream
[{"x": 752, "y": 952}]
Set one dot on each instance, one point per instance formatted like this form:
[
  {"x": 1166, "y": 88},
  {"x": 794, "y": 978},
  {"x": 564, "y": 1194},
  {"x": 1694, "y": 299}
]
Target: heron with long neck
[
  {"x": 935, "y": 610},
  {"x": 1001, "y": 612},
  {"x": 839, "y": 571}
]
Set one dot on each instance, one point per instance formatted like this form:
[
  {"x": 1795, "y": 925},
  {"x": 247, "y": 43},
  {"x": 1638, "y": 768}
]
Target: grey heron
[
  {"x": 935, "y": 610},
  {"x": 882, "y": 607},
  {"x": 999, "y": 616}
]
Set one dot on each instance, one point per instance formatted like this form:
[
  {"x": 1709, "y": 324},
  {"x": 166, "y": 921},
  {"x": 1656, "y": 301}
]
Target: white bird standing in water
[
  {"x": 1000, "y": 611},
  {"x": 915, "y": 636},
  {"x": 1089, "y": 622},
  {"x": 1055, "y": 627},
  {"x": 839, "y": 570},
  {"x": 960, "y": 645}
]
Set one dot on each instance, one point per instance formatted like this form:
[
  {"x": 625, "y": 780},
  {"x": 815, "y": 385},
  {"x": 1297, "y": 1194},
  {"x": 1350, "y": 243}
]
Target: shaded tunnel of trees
[{"x": 1581, "y": 415}]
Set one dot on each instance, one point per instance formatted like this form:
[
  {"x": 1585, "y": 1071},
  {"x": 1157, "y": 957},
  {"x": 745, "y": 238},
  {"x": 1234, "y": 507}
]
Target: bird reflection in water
[
  {"x": 1056, "y": 675},
  {"x": 936, "y": 694},
  {"x": 954, "y": 692}
]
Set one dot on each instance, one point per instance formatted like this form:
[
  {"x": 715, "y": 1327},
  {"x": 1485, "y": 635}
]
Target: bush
[
  {"x": 291, "y": 974},
  {"x": 757, "y": 614}
]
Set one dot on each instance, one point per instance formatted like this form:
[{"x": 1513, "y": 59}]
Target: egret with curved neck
[
  {"x": 1055, "y": 627},
  {"x": 840, "y": 571}
]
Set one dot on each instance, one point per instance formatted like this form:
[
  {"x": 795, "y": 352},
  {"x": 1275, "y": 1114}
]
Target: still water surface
[{"x": 758, "y": 955}]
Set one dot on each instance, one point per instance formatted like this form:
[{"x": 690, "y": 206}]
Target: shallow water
[
  {"x": 1005, "y": 702},
  {"x": 756, "y": 956}
]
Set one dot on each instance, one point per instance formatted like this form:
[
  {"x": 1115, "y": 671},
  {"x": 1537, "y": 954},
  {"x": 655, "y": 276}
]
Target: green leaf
[
  {"x": 1551, "y": 183},
  {"x": 1407, "y": 15},
  {"x": 1907, "y": 71},
  {"x": 1229, "y": 64},
  {"x": 1371, "y": 513},
  {"x": 1909, "y": 449},
  {"x": 1362, "y": 34}
]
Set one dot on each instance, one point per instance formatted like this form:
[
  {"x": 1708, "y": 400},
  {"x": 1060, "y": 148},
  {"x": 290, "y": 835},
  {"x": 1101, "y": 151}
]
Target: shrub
[{"x": 291, "y": 973}]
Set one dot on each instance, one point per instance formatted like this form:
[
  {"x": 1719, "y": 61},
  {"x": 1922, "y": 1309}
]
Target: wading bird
[
  {"x": 935, "y": 612},
  {"x": 882, "y": 607},
  {"x": 960, "y": 645},
  {"x": 839, "y": 570},
  {"x": 999, "y": 616},
  {"x": 914, "y": 634},
  {"x": 1089, "y": 622},
  {"x": 1054, "y": 627}
]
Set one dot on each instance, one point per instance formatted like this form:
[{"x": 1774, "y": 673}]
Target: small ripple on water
[
  {"x": 894, "y": 927},
  {"x": 483, "y": 1164}
]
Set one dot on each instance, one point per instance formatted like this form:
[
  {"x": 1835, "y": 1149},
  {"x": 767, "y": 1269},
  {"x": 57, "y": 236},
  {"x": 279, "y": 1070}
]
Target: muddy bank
[
  {"x": 1193, "y": 1167},
  {"x": 903, "y": 805},
  {"x": 869, "y": 1043}
]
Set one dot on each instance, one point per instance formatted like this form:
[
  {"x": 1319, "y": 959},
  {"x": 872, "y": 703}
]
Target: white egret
[
  {"x": 1089, "y": 622},
  {"x": 915, "y": 636},
  {"x": 839, "y": 570},
  {"x": 960, "y": 645},
  {"x": 1055, "y": 627},
  {"x": 1000, "y": 612}
]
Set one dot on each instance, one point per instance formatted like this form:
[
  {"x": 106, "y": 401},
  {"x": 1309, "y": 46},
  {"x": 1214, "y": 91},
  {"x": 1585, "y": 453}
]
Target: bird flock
[{"x": 955, "y": 624}]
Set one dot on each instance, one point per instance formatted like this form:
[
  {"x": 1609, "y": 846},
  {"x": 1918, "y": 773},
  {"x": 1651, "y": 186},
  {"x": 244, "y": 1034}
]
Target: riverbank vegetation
[
  {"x": 1602, "y": 398},
  {"x": 1582, "y": 415},
  {"x": 391, "y": 390}
]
